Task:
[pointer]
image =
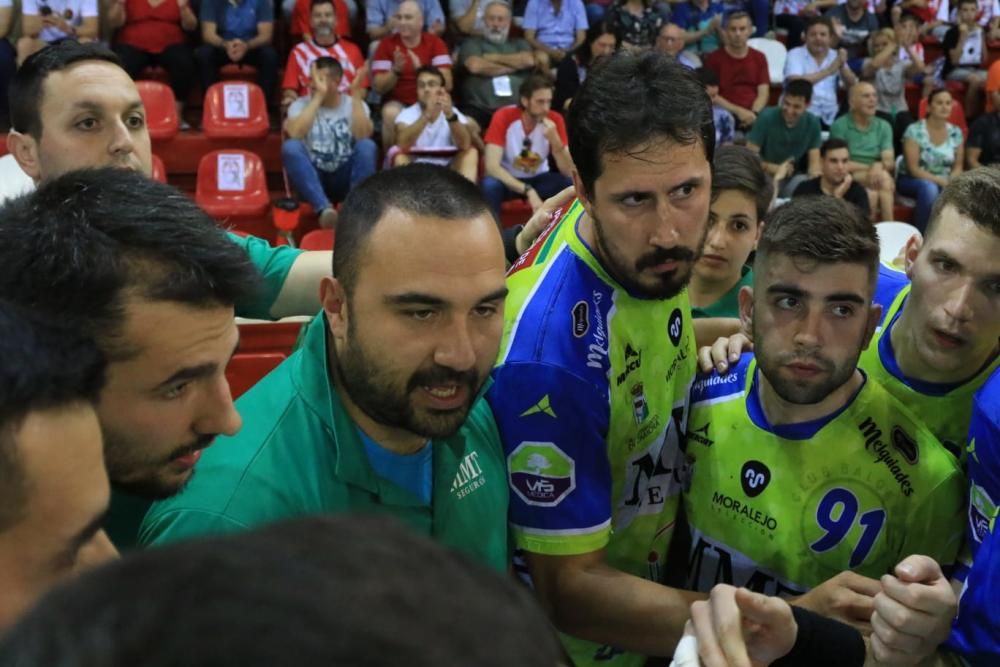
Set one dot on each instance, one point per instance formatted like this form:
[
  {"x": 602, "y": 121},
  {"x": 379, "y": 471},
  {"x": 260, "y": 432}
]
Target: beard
[
  {"x": 665, "y": 285},
  {"x": 496, "y": 36},
  {"x": 323, "y": 30},
  {"x": 123, "y": 461},
  {"x": 803, "y": 392},
  {"x": 388, "y": 401}
]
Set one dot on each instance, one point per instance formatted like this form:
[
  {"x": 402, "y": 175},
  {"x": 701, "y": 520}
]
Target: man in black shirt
[
  {"x": 835, "y": 180},
  {"x": 983, "y": 145}
]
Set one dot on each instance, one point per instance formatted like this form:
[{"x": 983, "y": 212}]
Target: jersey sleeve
[
  {"x": 290, "y": 81},
  {"x": 553, "y": 426},
  {"x": 496, "y": 133},
  {"x": 440, "y": 57},
  {"x": 274, "y": 265},
  {"x": 382, "y": 60},
  {"x": 936, "y": 528}
]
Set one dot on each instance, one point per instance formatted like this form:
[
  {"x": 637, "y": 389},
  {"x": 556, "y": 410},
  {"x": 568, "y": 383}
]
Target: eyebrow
[
  {"x": 86, "y": 105},
  {"x": 196, "y": 372},
  {"x": 418, "y": 299},
  {"x": 836, "y": 297}
]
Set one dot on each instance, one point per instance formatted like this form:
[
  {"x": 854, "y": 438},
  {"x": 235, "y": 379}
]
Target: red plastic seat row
[{"x": 232, "y": 110}]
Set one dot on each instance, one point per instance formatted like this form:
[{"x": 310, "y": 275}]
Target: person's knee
[
  {"x": 389, "y": 112},
  {"x": 292, "y": 149},
  {"x": 366, "y": 150}
]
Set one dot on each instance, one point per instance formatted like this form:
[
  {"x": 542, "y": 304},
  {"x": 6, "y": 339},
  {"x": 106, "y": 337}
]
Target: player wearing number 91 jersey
[{"x": 801, "y": 466}]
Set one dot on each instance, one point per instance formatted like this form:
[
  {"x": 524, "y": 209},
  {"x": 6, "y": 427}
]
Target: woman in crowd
[
  {"x": 889, "y": 75},
  {"x": 635, "y": 23},
  {"x": 151, "y": 32},
  {"x": 573, "y": 70},
  {"x": 741, "y": 195},
  {"x": 933, "y": 153}
]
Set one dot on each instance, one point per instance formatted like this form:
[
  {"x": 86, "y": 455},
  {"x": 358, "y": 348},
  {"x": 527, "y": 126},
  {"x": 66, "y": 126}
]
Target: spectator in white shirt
[
  {"x": 45, "y": 22},
  {"x": 433, "y": 130},
  {"x": 821, "y": 66}
]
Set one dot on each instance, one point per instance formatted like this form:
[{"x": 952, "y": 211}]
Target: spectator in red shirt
[
  {"x": 519, "y": 142},
  {"x": 396, "y": 61},
  {"x": 744, "y": 84},
  {"x": 325, "y": 40},
  {"x": 151, "y": 34}
]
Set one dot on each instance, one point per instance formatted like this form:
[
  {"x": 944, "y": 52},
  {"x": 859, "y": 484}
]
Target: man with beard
[
  {"x": 378, "y": 410},
  {"x": 835, "y": 179},
  {"x": 597, "y": 357},
  {"x": 801, "y": 465},
  {"x": 137, "y": 266},
  {"x": 495, "y": 65},
  {"x": 323, "y": 42}
]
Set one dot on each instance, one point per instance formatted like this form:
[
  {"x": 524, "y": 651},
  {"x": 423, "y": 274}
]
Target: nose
[
  {"x": 716, "y": 237},
  {"x": 217, "y": 412},
  {"x": 121, "y": 140},
  {"x": 809, "y": 333},
  {"x": 455, "y": 349},
  {"x": 666, "y": 234},
  {"x": 959, "y": 304},
  {"x": 96, "y": 552}
]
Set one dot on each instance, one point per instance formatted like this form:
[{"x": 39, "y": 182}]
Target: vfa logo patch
[
  {"x": 541, "y": 473},
  {"x": 754, "y": 478}
]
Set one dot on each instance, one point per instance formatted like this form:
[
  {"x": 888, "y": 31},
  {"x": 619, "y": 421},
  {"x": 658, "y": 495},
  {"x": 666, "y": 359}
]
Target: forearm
[
  {"x": 259, "y": 40},
  {"x": 519, "y": 60},
  {"x": 383, "y": 82},
  {"x": 115, "y": 16},
  {"x": 299, "y": 294},
  {"x": 361, "y": 124},
  {"x": 298, "y": 127},
  {"x": 407, "y": 135},
  {"x": 485, "y": 67},
  {"x": 189, "y": 21},
  {"x": 467, "y": 21},
  {"x": 460, "y": 135},
  {"x": 729, "y": 106},
  {"x": 498, "y": 172},
  {"x": 210, "y": 36},
  {"x": 563, "y": 162},
  {"x": 761, "y": 101}
]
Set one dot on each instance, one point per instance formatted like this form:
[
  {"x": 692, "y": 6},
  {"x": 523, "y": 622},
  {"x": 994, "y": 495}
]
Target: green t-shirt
[
  {"x": 589, "y": 394},
  {"x": 946, "y": 409},
  {"x": 124, "y": 517},
  {"x": 778, "y": 142},
  {"x": 274, "y": 263},
  {"x": 727, "y": 305},
  {"x": 299, "y": 453},
  {"x": 864, "y": 145},
  {"x": 781, "y": 509},
  {"x": 481, "y": 91}
]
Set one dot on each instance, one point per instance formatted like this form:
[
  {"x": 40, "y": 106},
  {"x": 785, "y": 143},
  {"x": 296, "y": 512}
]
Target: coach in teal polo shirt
[{"x": 379, "y": 409}]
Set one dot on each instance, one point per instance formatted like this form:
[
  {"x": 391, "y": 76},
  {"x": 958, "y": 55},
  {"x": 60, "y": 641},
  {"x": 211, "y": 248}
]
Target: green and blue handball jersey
[
  {"x": 944, "y": 408},
  {"x": 976, "y": 632},
  {"x": 589, "y": 395},
  {"x": 781, "y": 509}
]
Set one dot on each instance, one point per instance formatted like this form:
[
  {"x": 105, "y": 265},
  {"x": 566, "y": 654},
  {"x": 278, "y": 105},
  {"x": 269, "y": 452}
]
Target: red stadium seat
[
  {"x": 159, "y": 171},
  {"x": 318, "y": 239},
  {"x": 235, "y": 110},
  {"x": 514, "y": 212},
  {"x": 238, "y": 72},
  {"x": 243, "y": 191},
  {"x": 161, "y": 109},
  {"x": 957, "y": 116},
  {"x": 245, "y": 370}
]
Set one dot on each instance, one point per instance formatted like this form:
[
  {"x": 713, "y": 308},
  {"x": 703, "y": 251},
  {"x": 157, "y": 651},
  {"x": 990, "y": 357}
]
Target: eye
[
  {"x": 787, "y": 302},
  {"x": 945, "y": 265},
  {"x": 136, "y": 121},
  {"x": 485, "y": 311},
  {"x": 87, "y": 124},
  {"x": 740, "y": 226},
  {"x": 684, "y": 191},
  {"x": 421, "y": 315},
  {"x": 842, "y": 310},
  {"x": 634, "y": 199},
  {"x": 176, "y": 391}
]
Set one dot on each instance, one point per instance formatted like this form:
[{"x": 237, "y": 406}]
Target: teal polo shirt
[
  {"x": 778, "y": 142},
  {"x": 864, "y": 144},
  {"x": 274, "y": 263},
  {"x": 299, "y": 453}
]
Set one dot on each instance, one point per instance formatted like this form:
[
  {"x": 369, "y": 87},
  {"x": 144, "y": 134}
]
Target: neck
[
  {"x": 332, "y": 99},
  {"x": 780, "y": 412},
  {"x": 738, "y": 52},
  {"x": 860, "y": 119},
  {"x": 855, "y": 14},
  {"x": 826, "y": 185},
  {"x": 703, "y": 292},
  {"x": 411, "y": 41},
  {"x": 935, "y": 122},
  {"x": 326, "y": 41},
  {"x": 819, "y": 55},
  {"x": 388, "y": 437}
]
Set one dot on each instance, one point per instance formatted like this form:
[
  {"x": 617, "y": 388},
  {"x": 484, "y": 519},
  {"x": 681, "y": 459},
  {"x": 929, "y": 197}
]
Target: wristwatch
[{"x": 452, "y": 118}]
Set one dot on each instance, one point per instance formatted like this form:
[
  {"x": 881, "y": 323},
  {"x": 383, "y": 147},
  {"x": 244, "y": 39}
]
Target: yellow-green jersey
[
  {"x": 780, "y": 509},
  {"x": 589, "y": 396},
  {"x": 945, "y": 409}
]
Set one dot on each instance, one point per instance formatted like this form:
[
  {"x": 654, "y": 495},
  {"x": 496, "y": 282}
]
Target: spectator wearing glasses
[
  {"x": 519, "y": 142},
  {"x": 671, "y": 42}
]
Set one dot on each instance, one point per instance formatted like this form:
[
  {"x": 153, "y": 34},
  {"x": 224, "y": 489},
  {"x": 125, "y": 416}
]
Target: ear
[
  {"x": 760, "y": 230},
  {"x": 581, "y": 194},
  {"x": 333, "y": 298},
  {"x": 24, "y": 148},
  {"x": 910, "y": 252},
  {"x": 746, "y": 309},
  {"x": 874, "y": 316}
]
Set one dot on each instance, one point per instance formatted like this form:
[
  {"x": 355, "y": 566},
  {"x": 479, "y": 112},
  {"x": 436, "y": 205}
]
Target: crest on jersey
[
  {"x": 905, "y": 445},
  {"x": 640, "y": 410}
]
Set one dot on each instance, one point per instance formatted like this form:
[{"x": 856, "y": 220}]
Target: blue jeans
[
  {"x": 548, "y": 184},
  {"x": 925, "y": 192},
  {"x": 318, "y": 187}
]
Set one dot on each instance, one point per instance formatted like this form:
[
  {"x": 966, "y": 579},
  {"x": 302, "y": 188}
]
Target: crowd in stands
[{"x": 870, "y": 66}]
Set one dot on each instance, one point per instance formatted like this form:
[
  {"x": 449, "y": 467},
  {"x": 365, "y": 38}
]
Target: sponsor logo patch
[
  {"x": 541, "y": 474},
  {"x": 905, "y": 445},
  {"x": 675, "y": 326},
  {"x": 581, "y": 319},
  {"x": 754, "y": 478}
]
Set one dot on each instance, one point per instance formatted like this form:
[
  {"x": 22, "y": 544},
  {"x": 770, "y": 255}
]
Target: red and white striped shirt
[{"x": 302, "y": 56}]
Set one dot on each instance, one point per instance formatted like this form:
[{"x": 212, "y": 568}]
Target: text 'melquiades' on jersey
[{"x": 589, "y": 397}]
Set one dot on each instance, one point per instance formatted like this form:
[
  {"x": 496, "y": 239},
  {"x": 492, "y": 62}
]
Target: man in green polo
[{"x": 379, "y": 409}]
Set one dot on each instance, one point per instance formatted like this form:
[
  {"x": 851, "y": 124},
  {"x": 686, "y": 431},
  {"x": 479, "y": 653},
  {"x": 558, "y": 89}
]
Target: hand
[
  {"x": 913, "y": 612},
  {"x": 841, "y": 57},
  {"x": 181, "y": 4},
  {"x": 737, "y": 628},
  {"x": 558, "y": 54},
  {"x": 398, "y": 60},
  {"x": 842, "y": 189},
  {"x": 318, "y": 82},
  {"x": 236, "y": 50},
  {"x": 541, "y": 218},
  {"x": 550, "y": 131},
  {"x": 963, "y": 29},
  {"x": 414, "y": 59},
  {"x": 534, "y": 200},
  {"x": 745, "y": 116},
  {"x": 847, "y": 597},
  {"x": 785, "y": 169},
  {"x": 810, "y": 10},
  {"x": 358, "y": 84},
  {"x": 715, "y": 22},
  {"x": 723, "y": 352},
  {"x": 445, "y": 102}
]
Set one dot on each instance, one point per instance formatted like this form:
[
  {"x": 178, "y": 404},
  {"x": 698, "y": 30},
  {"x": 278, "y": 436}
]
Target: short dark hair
[
  {"x": 975, "y": 194},
  {"x": 821, "y": 229},
  {"x": 739, "y": 168},
  {"x": 707, "y": 76},
  {"x": 910, "y": 17},
  {"x": 533, "y": 83},
  {"x": 799, "y": 88},
  {"x": 418, "y": 189},
  {"x": 738, "y": 14},
  {"x": 938, "y": 91},
  {"x": 628, "y": 100},
  {"x": 316, "y": 3},
  {"x": 832, "y": 144},
  {"x": 82, "y": 243},
  {"x": 343, "y": 590},
  {"x": 967, "y": 2},
  {"x": 44, "y": 364},
  {"x": 819, "y": 20},
  {"x": 430, "y": 69},
  {"x": 331, "y": 64},
  {"x": 26, "y": 85}
]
